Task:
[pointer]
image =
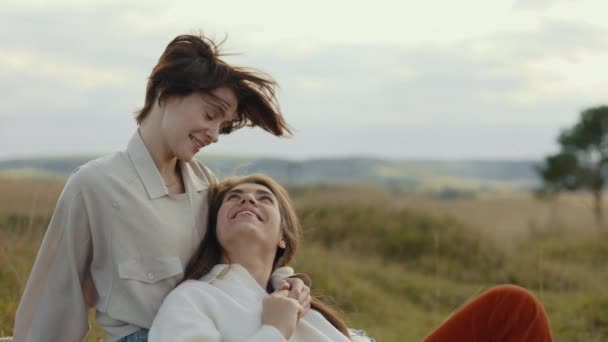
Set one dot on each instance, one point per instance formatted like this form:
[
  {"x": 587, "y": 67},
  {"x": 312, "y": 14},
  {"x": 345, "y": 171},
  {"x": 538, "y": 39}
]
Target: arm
[
  {"x": 186, "y": 317},
  {"x": 54, "y": 304}
]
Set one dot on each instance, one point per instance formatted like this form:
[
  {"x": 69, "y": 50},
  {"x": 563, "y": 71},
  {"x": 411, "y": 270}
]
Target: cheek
[
  {"x": 275, "y": 221},
  {"x": 221, "y": 224},
  {"x": 171, "y": 131},
  {"x": 190, "y": 120}
]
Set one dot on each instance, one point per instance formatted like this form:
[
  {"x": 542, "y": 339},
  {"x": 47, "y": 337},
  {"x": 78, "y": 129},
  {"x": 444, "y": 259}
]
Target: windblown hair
[
  {"x": 192, "y": 63},
  {"x": 209, "y": 252}
]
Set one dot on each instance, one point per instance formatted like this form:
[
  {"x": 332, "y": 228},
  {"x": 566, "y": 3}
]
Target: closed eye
[
  {"x": 232, "y": 196},
  {"x": 266, "y": 199}
]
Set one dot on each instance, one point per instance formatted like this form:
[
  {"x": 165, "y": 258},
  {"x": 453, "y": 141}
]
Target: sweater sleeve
[
  {"x": 283, "y": 273},
  {"x": 59, "y": 289},
  {"x": 279, "y": 275},
  {"x": 189, "y": 317}
]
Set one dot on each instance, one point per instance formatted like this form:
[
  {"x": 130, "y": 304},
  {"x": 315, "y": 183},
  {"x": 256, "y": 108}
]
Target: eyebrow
[
  {"x": 258, "y": 192},
  {"x": 217, "y": 108},
  {"x": 224, "y": 104},
  {"x": 221, "y": 107}
]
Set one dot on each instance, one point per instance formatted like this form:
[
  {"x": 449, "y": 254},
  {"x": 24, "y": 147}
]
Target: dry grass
[{"x": 395, "y": 293}]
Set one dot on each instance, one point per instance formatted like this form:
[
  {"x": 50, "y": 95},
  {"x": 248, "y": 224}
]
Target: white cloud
[
  {"x": 590, "y": 12},
  {"x": 536, "y": 5},
  {"x": 259, "y": 23},
  {"x": 316, "y": 84},
  {"x": 387, "y": 68},
  {"x": 555, "y": 77},
  {"x": 42, "y": 4},
  {"x": 77, "y": 75}
]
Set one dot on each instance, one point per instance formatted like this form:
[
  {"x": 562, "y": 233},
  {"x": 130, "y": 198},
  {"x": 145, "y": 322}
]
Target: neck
[
  {"x": 165, "y": 161},
  {"x": 260, "y": 267}
]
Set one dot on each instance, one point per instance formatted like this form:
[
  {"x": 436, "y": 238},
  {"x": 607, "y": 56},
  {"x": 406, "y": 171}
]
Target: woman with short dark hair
[{"x": 126, "y": 223}]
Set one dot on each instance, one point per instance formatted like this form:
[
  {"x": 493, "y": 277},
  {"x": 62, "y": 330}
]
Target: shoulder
[
  {"x": 192, "y": 294},
  {"x": 98, "y": 171},
  {"x": 192, "y": 289},
  {"x": 202, "y": 171}
]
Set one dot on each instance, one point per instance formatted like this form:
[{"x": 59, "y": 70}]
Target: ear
[
  {"x": 282, "y": 244},
  {"x": 159, "y": 92}
]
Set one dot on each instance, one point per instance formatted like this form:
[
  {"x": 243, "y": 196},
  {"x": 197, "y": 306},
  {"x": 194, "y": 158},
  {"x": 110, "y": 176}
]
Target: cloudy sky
[{"x": 433, "y": 79}]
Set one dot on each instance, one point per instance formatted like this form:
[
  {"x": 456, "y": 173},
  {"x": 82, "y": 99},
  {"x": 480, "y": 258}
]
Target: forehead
[
  {"x": 224, "y": 100},
  {"x": 250, "y": 187}
]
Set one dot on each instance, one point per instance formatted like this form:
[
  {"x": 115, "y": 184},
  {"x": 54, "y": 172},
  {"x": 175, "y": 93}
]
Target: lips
[
  {"x": 198, "y": 144},
  {"x": 248, "y": 211}
]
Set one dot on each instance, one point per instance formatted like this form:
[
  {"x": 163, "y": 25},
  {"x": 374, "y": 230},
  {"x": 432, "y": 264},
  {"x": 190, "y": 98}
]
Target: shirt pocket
[{"x": 150, "y": 270}]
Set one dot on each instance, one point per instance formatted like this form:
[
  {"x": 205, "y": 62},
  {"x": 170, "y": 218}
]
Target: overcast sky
[{"x": 430, "y": 79}]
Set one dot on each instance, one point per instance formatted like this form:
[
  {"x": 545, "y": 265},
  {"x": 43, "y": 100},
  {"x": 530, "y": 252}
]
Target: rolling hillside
[{"x": 446, "y": 177}]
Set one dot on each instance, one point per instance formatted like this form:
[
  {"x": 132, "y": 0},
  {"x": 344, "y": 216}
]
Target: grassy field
[{"x": 396, "y": 266}]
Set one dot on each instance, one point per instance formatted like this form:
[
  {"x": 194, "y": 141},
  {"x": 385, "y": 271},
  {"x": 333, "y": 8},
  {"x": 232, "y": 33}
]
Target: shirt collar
[
  {"x": 233, "y": 271},
  {"x": 145, "y": 167},
  {"x": 196, "y": 173},
  {"x": 192, "y": 172}
]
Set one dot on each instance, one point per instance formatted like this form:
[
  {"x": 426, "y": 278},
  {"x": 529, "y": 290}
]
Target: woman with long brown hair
[
  {"x": 252, "y": 230},
  {"x": 225, "y": 296}
]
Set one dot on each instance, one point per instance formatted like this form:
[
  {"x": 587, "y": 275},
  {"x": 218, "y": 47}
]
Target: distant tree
[{"x": 582, "y": 163}]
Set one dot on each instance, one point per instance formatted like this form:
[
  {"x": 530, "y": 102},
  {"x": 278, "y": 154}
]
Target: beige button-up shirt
[{"x": 117, "y": 240}]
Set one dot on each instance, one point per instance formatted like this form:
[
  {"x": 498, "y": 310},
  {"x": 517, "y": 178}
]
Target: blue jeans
[
  {"x": 140, "y": 335},
  {"x": 359, "y": 332}
]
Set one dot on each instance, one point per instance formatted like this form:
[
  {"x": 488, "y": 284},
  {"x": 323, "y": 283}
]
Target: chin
[
  {"x": 246, "y": 229},
  {"x": 187, "y": 157}
]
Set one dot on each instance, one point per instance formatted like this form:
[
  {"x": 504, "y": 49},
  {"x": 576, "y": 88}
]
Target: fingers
[
  {"x": 305, "y": 304},
  {"x": 281, "y": 293},
  {"x": 300, "y": 292},
  {"x": 282, "y": 312},
  {"x": 299, "y": 307},
  {"x": 297, "y": 286},
  {"x": 304, "y": 296},
  {"x": 284, "y": 286},
  {"x": 284, "y": 295}
]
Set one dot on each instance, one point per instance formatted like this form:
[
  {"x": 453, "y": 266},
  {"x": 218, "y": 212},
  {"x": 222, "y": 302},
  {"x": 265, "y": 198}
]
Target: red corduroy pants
[{"x": 505, "y": 313}]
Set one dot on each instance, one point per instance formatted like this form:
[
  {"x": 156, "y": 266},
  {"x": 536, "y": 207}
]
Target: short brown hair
[
  {"x": 191, "y": 63},
  {"x": 209, "y": 252}
]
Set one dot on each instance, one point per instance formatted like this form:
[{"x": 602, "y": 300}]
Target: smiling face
[
  {"x": 245, "y": 218},
  {"x": 194, "y": 121},
  {"x": 250, "y": 214}
]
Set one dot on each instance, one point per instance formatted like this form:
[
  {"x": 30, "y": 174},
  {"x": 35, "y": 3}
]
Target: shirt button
[{"x": 150, "y": 275}]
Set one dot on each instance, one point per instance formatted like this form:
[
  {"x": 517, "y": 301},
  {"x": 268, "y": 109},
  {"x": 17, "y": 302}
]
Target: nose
[
  {"x": 248, "y": 197},
  {"x": 213, "y": 133}
]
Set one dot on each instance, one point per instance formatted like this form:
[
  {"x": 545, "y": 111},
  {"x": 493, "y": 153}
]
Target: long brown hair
[
  {"x": 192, "y": 63},
  {"x": 209, "y": 252}
]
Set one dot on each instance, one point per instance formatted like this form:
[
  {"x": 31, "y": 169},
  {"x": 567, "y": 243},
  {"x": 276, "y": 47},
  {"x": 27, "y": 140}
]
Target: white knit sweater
[{"x": 226, "y": 305}]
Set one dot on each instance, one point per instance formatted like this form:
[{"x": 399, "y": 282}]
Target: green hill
[{"x": 448, "y": 178}]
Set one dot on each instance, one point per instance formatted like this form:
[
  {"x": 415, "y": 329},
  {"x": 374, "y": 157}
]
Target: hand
[
  {"x": 300, "y": 292},
  {"x": 281, "y": 312}
]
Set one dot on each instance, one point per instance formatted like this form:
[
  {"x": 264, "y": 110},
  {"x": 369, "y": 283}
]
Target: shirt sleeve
[
  {"x": 54, "y": 304},
  {"x": 282, "y": 273},
  {"x": 182, "y": 318}
]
